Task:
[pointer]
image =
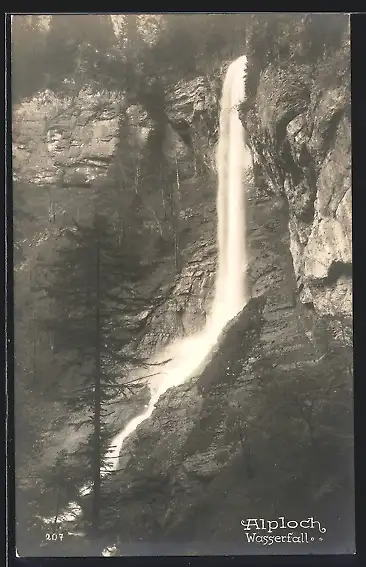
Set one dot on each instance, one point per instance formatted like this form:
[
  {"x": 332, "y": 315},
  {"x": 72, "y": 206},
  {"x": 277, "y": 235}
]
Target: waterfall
[
  {"x": 233, "y": 159},
  {"x": 187, "y": 356}
]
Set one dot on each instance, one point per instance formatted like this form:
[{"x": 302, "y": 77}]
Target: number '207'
[{"x": 54, "y": 537}]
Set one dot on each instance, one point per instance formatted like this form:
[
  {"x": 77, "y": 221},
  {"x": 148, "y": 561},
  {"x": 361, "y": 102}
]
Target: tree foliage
[
  {"x": 28, "y": 36},
  {"x": 21, "y": 215},
  {"x": 285, "y": 39},
  {"x": 76, "y": 44},
  {"x": 92, "y": 286}
]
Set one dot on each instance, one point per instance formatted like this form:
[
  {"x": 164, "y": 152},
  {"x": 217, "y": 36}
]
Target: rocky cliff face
[
  {"x": 65, "y": 141},
  {"x": 266, "y": 429},
  {"x": 298, "y": 122}
]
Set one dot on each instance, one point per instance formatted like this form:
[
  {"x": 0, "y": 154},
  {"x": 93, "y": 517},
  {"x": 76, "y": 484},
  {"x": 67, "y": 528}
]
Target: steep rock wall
[{"x": 298, "y": 120}]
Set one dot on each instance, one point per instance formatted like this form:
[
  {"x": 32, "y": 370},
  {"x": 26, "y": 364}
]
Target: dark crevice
[
  {"x": 289, "y": 164},
  {"x": 309, "y": 306},
  {"x": 291, "y": 114},
  {"x": 336, "y": 271},
  {"x": 330, "y": 132},
  {"x": 307, "y": 215},
  {"x": 305, "y": 158},
  {"x": 182, "y": 128}
]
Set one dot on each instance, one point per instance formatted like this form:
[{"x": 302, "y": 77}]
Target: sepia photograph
[{"x": 182, "y": 266}]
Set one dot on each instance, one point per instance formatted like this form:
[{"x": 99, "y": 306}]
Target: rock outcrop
[
  {"x": 192, "y": 110},
  {"x": 298, "y": 122},
  {"x": 65, "y": 141}
]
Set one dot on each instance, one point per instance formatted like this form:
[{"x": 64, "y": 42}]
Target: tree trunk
[
  {"x": 57, "y": 505},
  {"x": 121, "y": 234},
  {"x": 176, "y": 207},
  {"x": 97, "y": 400},
  {"x": 51, "y": 210},
  {"x": 163, "y": 199},
  {"x": 246, "y": 450},
  {"x": 34, "y": 357}
]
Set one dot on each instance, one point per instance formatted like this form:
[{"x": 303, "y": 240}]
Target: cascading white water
[
  {"x": 233, "y": 159},
  {"x": 187, "y": 356}
]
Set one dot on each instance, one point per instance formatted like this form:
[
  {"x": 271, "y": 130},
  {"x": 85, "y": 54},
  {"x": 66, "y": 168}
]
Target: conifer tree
[
  {"x": 28, "y": 40},
  {"x": 92, "y": 285},
  {"x": 21, "y": 215}
]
